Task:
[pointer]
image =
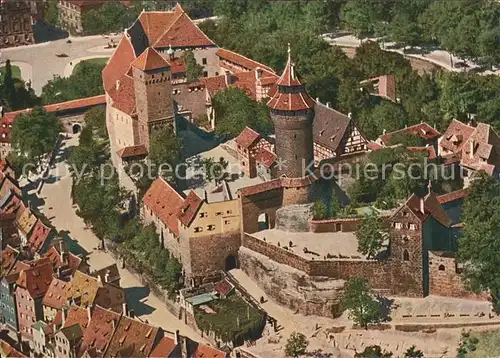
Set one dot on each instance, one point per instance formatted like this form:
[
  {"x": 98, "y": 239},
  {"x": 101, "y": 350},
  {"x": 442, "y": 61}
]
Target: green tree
[
  {"x": 479, "y": 247},
  {"x": 9, "y": 89},
  {"x": 320, "y": 212},
  {"x": 214, "y": 170},
  {"x": 194, "y": 71},
  {"x": 389, "y": 116},
  {"x": 335, "y": 206},
  {"x": 371, "y": 234},
  {"x": 96, "y": 119},
  {"x": 296, "y": 345},
  {"x": 413, "y": 352},
  {"x": 164, "y": 149},
  {"x": 407, "y": 140},
  {"x": 373, "y": 352},
  {"x": 34, "y": 133},
  {"x": 364, "y": 17},
  {"x": 52, "y": 13},
  {"x": 109, "y": 17},
  {"x": 363, "y": 308}
]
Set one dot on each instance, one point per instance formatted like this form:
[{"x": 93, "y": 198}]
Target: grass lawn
[
  {"x": 488, "y": 345},
  {"x": 97, "y": 61},
  {"x": 16, "y": 72}
]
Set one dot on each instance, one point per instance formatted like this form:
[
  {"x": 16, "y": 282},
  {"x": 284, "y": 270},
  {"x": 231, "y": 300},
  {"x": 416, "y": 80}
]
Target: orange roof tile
[
  {"x": 77, "y": 315},
  {"x": 9, "y": 258},
  {"x": 178, "y": 65},
  {"x": 423, "y": 130},
  {"x": 150, "y": 60},
  {"x": 36, "y": 280},
  {"x": 119, "y": 63},
  {"x": 84, "y": 288},
  {"x": 76, "y": 103},
  {"x": 247, "y": 137},
  {"x": 241, "y": 60},
  {"x": 455, "y": 136},
  {"x": 482, "y": 149},
  {"x": 40, "y": 234},
  {"x": 183, "y": 33},
  {"x": 164, "y": 348},
  {"x": 266, "y": 157},
  {"x": 223, "y": 287},
  {"x": 261, "y": 187},
  {"x": 432, "y": 207},
  {"x": 164, "y": 201},
  {"x": 100, "y": 329},
  {"x": 189, "y": 208},
  {"x": 206, "y": 351},
  {"x": 154, "y": 23},
  {"x": 123, "y": 97},
  {"x": 56, "y": 295},
  {"x": 133, "y": 151},
  {"x": 25, "y": 220},
  {"x": 454, "y": 195},
  {"x": 9, "y": 351}
]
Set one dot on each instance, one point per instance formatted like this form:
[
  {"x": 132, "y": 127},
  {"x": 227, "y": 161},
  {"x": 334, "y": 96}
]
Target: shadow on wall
[
  {"x": 44, "y": 32},
  {"x": 135, "y": 299}
]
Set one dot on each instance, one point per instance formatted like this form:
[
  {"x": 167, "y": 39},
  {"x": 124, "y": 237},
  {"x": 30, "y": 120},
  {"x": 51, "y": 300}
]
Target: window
[
  {"x": 205, "y": 74},
  {"x": 203, "y": 215},
  {"x": 227, "y": 222},
  {"x": 198, "y": 229},
  {"x": 229, "y": 211},
  {"x": 204, "y": 61},
  {"x": 406, "y": 255},
  {"x": 210, "y": 227},
  {"x": 441, "y": 268},
  {"x": 219, "y": 213},
  {"x": 413, "y": 227}
]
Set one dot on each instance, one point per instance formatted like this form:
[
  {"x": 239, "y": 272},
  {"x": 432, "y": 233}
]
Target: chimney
[
  {"x": 317, "y": 100},
  {"x": 113, "y": 324},
  {"x": 383, "y": 132},
  {"x": 329, "y": 104},
  {"x": 131, "y": 313},
  {"x": 177, "y": 337},
  {"x": 471, "y": 148},
  {"x": 1, "y": 111},
  {"x": 422, "y": 206},
  {"x": 125, "y": 309},
  {"x": 125, "y": 32},
  {"x": 117, "y": 85},
  {"x": 106, "y": 276},
  {"x": 349, "y": 115},
  {"x": 64, "y": 315},
  {"x": 89, "y": 313},
  {"x": 227, "y": 78}
]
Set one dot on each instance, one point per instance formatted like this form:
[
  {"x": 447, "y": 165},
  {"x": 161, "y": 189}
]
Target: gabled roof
[
  {"x": 183, "y": 33},
  {"x": 329, "y": 126},
  {"x": 165, "y": 202},
  {"x": 110, "y": 296},
  {"x": 108, "y": 274},
  {"x": 123, "y": 95},
  {"x": 9, "y": 258},
  {"x": 36, "y": 280},
  {"x": 56, "y": 295},
  {"x": 133, "y": 151},
  {"x": 154, "y": 23},
  {"x": 455, "y": 136},
  {"x": 39, "y": 236},
  {"x": 25, "y": 220},
  {"x": 77, "y": 315},
  {"x": 206, "y": 351},
  {"x": 432, "y": 207},
  {"x": 132, "y": 338},
  {"x": 84, "y": 287},
  {"x": 149, "y": 60},
  {"x": 56, "y": 259},
  {"x": 422, "y": 130},
  {"x": 241, "y": 60},
  {"x": 100, "y": 329},
  {"x": 189, "y": 208},
  {"x": 261, "y": 187},
  {"x": 266, "y": 157},
  {"x": 119, "y": 63},
  {"x": 8, "y": 350},
  {"x": 454, "y": 195},
  {"x": 482, "y": 149},
  {"x": 164, "y": 348},
  {"x": 247, "y": 137}
]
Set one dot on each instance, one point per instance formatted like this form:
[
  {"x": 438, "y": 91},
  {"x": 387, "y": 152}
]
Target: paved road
[
  {"x": 58, "y": 208},
  {"x": 40, "y": 64},
  {"x": 439, "y": 57}
]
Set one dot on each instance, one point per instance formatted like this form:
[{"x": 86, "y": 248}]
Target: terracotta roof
[
  {"x": 260, "y": 188},
  {"x": 108, "y": 274},
  {"x": 164, "y": 348},
  {"x": 247, "y": 137},
  {"x": 132, "y": 338},
  {"x": 189, "y": 208},
  {"x": 9, "y": 258},
  {"x": 288, "y": 77},
  {"x": 178, "y": 65},
  {"x": 150, "y": 60},
  {"x": 431, "y": 152},
  {"x": 183, "y": 33},
  {"x": 100, "y": 329},
  {"x": 246, "y": 81},
  {"x": 40, "y": 234},
  {"x": 76, "y": 103},
  {"x": 133, "y": 151},
  {"x": 155, "y": 23},
  {"x": 25, "y": 220},
  {"x": 36, "y": 280},
  {"x": 454, "y": 195},
  {"x": 83, "y": 287},
  {"x": 164, "y": 201},
  {"x": 110, "y": 296},
  {"x": 386, "y": 86},
  {"x": 10, "y": 184},
  {"x": 329, "y": 127},
  {"x": 119, "y": 63},
  {"x": 423, "y": 130},
  {"x": 77, "y": 315},
  {"x": 123, "y": 97},
  {"x": 291, "y": 101},
  {"x": 372, "y": 145},
  {"x": 266, "y": 157},
  {"x": 241, "y": 60},
  {"x": 432, "y": 207},
  {"x": 206, "y": 351},
  {"x": 8, "y": 350},
  {"x": 455, "y": 136},
  {"x": 224, "y": 287},
  {"x": 56, "y": 259},
  {"x": 482, "y": 150},
  {"x": 56, "y": 294}
]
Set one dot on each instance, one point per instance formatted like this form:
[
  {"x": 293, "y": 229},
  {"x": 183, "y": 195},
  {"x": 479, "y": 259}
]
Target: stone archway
[
  {"x": 76, "y": 128},
  {"x": 263, "y": 222},
  {"x": 231, "y": 263}
]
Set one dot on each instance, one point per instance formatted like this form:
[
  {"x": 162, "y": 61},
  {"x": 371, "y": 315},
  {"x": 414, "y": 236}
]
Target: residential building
[
  {"x": 65, "y": 263},
  {"x": 30, "y": 289},
  {"x": 383, "y": 86},
  {"x": 9, "y": 276},
  {"x": 424, "y": 131},
  {"x": 99, "y": 332},
  {"x": 67, "y": 340},
  {"x": 42, "y": 334},
  {"x": 17, "y": 20},
  {"x": 55, "y": 299},
  {"x": 72, "y": 13}
]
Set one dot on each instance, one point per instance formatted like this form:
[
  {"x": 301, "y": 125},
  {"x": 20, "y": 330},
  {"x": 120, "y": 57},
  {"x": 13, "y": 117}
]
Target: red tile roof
[
  {"x": 189, "y": 208},
  {"x": 56, "y": 294},
  {"x": 288, "y": 77},
  {"x": 165, "y": 202},
  {"x": 431, "y": 152},
  {"x": 100, "y": 329},
  {"x": 206, "y": 351},
  {"x": 432, "y": 207},
  {"x": 36, "y": 280},
  {"x": 110, "y": 296},
  {"x": 132, "y": 338},
  {"x": 123, "y": 97},
  {"x": 9, "y": 351},
  {"x": 482, "y": 149},
  {"x": 77, "y": 315},
  {"x": 247, "y": 81},
  {"x": 56, "y": 259},
  {"x": 454, "y": 195},
  {"x": 150, "y": 60},
  {"x": 183, "y": 33},
  {"x": 266, "y": 157},
  {"x": 261, "y": 187},
  {"x": 423, "y": 130},
  {"x": 223, "y": 287},
  {"x": 178, "y": 65},
  {"x": 164, "y": 348},
  {"x": 154, "y": 23},
  {"x": 374, "y": 146},
  {"x": 241, "y": 60},
  {"x": 247, "y": 137},
  {"x": 133, "y": 151},
  {"x": 9, "y": 258},
  {"x": 119, "y": 63},
  {"x": 39, "y": 235},
  {"x": 455, "y": 136}
]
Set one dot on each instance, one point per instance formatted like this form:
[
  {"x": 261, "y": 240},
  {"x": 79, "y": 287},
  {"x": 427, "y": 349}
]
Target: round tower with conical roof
[{"x": 292, "y": 112}]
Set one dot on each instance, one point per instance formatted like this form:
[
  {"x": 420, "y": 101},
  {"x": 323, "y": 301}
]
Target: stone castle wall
[{"x": 334, "y": 225}]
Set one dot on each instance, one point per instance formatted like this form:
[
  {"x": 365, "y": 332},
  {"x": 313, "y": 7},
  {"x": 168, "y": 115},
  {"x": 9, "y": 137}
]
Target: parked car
[{"x": 61, "y": 55}]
